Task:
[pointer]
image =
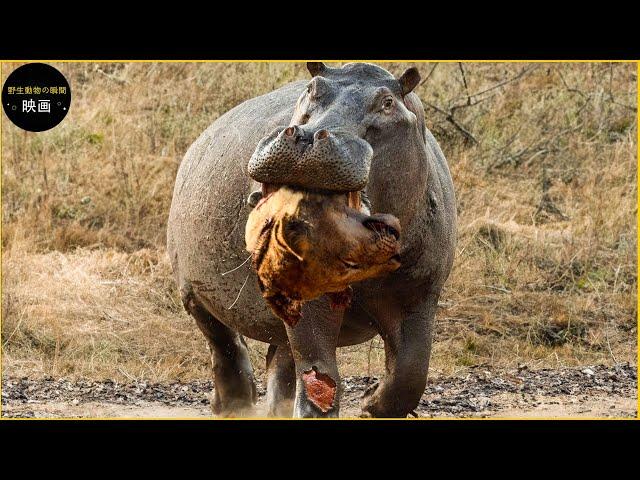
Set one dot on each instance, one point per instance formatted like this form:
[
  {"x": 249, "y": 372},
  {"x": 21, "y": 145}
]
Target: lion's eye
[
  {"x": 387, "y": 103},
  {"x": 349, "y": 264}
]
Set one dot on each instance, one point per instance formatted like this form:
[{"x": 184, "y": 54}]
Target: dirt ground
[{"x": 594, "y": 391}]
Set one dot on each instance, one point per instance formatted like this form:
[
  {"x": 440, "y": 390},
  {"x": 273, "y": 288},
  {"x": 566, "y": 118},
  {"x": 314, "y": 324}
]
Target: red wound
[
  {"x": 320, "y": 389},
  {"x": 341, "y": 300}
]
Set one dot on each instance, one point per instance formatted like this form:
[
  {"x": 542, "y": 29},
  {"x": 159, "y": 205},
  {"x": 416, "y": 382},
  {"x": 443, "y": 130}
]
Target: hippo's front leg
[
  {"x": 407, "y": 333},
  {"x": 313, "y": 342}
]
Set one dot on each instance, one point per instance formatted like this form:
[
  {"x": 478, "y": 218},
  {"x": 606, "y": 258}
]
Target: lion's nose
[{"x": 383, "y": 223}]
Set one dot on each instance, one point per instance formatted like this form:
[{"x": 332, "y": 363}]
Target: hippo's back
[{"x": 205, "y": 232}]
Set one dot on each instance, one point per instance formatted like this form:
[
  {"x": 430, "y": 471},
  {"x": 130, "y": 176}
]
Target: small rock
[
  {"x": 588, "y": 372},
  {"x": 480, "y": 403}
]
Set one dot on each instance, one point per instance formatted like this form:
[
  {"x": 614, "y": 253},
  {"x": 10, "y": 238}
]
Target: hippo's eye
[
  {"x": 312, "y": 89},
  {"x": 316, "y": 89},
  {"x": 387, "y": 103}
]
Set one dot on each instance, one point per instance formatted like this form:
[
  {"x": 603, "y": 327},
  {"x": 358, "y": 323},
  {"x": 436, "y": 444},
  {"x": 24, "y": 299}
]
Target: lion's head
[{"x": 306, "y": 244}]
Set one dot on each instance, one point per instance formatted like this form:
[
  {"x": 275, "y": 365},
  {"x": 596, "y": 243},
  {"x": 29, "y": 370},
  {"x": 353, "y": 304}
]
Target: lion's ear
[{"x": 295, "y": 236}]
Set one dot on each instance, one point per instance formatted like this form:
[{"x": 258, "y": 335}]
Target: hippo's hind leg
[
  {"x": 235, "y": 390},
  {"x": 281, "y": 381}
]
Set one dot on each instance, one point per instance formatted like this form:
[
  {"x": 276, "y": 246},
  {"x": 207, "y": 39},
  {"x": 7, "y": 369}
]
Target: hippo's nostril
[{"x": 322, "y": 134}]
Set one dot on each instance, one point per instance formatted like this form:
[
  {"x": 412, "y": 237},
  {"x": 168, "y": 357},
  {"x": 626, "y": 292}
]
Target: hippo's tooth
[
  {"x": 268, "y": 188},
  {"x": 353, "y": 200}
]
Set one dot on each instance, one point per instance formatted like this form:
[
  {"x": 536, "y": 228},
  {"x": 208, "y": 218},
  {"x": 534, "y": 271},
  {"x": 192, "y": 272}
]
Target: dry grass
[{"x": 546, "y": 185}]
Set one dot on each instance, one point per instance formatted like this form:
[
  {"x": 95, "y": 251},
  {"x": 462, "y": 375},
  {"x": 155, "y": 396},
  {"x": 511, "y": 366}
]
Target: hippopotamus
[{"x": 357, "y": 131}]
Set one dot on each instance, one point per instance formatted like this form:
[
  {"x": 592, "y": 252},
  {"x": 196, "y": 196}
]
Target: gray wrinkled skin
[
  {"x": 339, "y": 163},
  {"x": 376, "y": 137}
]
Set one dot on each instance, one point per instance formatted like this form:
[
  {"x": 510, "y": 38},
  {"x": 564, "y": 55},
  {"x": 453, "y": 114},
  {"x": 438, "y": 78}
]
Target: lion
[{"x": 305, "y": 244}]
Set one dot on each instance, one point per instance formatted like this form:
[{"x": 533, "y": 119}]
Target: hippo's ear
[
  {"x": 409, "y": 80},
  {"x": 316, "y": 68}
]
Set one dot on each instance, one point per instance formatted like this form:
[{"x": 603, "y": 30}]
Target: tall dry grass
[{"x": 544, "y": 163}]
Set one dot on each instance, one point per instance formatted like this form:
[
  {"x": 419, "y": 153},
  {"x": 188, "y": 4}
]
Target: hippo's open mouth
[{"x": 353, "y": 200}]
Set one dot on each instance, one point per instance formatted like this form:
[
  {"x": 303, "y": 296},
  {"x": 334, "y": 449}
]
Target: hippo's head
[
  {"x": 341, "y": 121},
  {"x": 305, "y": 244}
]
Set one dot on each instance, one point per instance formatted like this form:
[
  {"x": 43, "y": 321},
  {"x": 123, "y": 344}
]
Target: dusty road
[{"x": 594, "y": 391}]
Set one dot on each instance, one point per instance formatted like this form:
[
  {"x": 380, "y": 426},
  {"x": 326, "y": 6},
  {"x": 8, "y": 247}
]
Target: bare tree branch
[
  {"x": 426, "y": 79},
  {"x": 523, "y": 72},
  {"x": 613, "y": 100},
  {"x": 449, "y": 117},
  {"x": 588, "y": 97},
  {"x": 569, "y": 89},
  {"x": 464, "y": 105},
  {"x": 533, "y": 150},
  {"x": 471, "y": 99},
  {"x": 464, "y": 80}
]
